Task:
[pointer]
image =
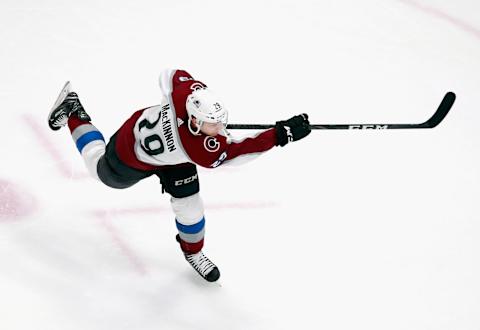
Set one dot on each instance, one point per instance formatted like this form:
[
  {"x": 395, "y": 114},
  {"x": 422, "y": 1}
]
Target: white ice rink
[{"x": 374, "y": 230}]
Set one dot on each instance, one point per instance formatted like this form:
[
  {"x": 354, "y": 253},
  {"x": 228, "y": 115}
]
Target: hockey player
[{"x": 186, "y": 129}]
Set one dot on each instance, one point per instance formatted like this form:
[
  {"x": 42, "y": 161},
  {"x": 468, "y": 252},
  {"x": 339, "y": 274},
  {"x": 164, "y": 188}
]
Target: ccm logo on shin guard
[{"x": 187, "y": 180}]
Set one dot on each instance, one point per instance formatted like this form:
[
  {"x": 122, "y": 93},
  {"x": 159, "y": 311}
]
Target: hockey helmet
[{"x": 206, "y": 108}]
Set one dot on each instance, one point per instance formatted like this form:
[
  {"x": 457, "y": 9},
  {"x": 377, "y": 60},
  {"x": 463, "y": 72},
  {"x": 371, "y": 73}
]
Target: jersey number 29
[{"x": 152, "y": 144}]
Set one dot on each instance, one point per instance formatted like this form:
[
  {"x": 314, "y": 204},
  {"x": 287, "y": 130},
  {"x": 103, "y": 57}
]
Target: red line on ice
[
  {"x": 44, "y": 140},
  {"x": 135, "y": 261},
  {"x": 208, "y": 207},
  {"x": 440, "y": 14}
]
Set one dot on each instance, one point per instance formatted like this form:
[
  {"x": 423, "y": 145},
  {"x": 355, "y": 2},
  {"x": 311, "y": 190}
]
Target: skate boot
[
  {"x": 66, "y": 104},
  {"x": 202, "y": 265}
]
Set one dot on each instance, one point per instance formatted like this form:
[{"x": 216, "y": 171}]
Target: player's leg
[
  {"x": 88, "y": 139},
  {"x": 115, "y": 173},
  {"x": 101, "y": 160},
  {"x": 182, "y": 184}
]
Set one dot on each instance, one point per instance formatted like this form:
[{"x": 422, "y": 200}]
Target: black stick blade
[{"x": 442, "y": 111}]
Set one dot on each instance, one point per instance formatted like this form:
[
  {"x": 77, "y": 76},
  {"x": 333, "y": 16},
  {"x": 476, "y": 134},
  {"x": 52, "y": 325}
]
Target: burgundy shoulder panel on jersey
[{"x": 183, "y": 85}]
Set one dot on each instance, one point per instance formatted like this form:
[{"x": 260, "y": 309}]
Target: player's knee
[
  {"x": 91, "y": 154},
  {"x": 188, "y": 210}
]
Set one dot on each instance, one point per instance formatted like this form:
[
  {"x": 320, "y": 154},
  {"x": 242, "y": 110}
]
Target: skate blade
[{"x": 67, "y": 88}]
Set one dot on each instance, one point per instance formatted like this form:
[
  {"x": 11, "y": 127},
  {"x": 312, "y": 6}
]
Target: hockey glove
[{"x": 293, "y": 129}]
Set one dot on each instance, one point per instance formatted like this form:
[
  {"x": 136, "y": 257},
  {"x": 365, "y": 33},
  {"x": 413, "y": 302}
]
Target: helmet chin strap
[
  {"x": 227, "y": 134},
  {"x": 198, "y": 124}
]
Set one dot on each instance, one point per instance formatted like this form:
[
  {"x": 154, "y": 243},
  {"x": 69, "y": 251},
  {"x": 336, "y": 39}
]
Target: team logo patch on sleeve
[{"x": 211, "y": 144}]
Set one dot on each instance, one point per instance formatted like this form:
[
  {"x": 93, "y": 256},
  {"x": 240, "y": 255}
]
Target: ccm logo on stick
[{"x": 368, "y": 127}]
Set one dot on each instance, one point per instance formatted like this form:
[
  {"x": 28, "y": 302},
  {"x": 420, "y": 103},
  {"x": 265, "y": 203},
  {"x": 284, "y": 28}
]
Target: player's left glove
[{"x": 293, "y": 129}]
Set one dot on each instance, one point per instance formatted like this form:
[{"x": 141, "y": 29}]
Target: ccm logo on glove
[{"x": 293, "y": 129}]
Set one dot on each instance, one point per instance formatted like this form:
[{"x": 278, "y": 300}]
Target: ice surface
[{"x": 343, "y": 230}]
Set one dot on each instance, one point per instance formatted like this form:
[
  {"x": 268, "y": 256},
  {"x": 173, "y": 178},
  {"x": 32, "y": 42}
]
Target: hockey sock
[
  {"x": 191, "y": 236},
  {"x": 89, "y": 141}
]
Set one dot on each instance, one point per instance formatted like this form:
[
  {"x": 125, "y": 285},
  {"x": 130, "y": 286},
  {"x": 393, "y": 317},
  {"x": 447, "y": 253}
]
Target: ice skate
[
  {"x": 66, "y": 104},
  {"x": 204, "y": 266}
]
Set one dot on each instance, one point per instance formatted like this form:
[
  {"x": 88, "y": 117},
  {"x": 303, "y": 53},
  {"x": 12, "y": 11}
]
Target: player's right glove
[{"x": 293, "y": 129}]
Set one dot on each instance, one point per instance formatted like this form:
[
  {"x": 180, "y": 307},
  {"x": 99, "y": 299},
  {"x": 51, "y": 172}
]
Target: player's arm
[{"x": 240, "y": 151}]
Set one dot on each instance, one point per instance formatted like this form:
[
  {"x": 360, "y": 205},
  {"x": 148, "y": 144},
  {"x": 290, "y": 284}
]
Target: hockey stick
[{"x": 436, "y": 119}]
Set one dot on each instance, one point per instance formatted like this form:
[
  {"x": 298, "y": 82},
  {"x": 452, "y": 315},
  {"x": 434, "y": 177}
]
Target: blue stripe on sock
[
  {"x": 87, "y": 138},
  {"x": 191, "y": 229}
]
